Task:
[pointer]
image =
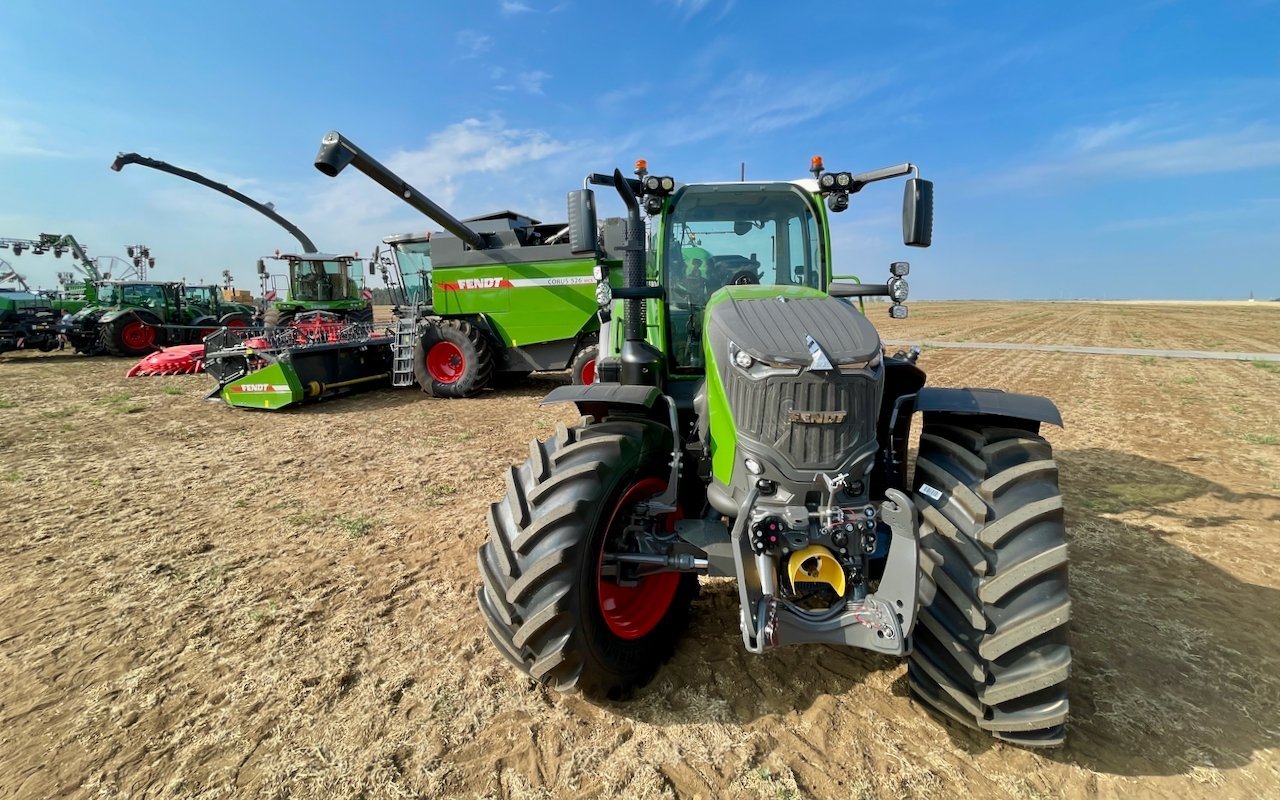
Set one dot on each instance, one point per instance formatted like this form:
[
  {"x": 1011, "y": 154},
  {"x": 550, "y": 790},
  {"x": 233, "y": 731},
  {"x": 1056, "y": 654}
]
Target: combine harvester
[{"x": 505, "y": 292}]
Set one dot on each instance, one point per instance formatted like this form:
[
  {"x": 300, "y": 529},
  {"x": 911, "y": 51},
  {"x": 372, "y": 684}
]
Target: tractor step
[{"x": 406, "y": 339}]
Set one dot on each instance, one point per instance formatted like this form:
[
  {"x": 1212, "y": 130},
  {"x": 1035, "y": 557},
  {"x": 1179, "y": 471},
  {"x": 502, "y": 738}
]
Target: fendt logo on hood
[{"x": 817, "y": 417}]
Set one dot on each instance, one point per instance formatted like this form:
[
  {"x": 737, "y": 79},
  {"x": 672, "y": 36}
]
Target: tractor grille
[{"x": 761, "y": 411}]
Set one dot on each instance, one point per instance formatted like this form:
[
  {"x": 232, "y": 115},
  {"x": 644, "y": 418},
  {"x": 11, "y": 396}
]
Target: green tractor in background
[
  {"x": 746, "y": 422},
  {"x": 208, "y": 301},
  {"x": 134, "y": 318},
  {"x": 319, "y": 282}
]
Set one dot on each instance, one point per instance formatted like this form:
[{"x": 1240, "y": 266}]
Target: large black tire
[
  {"x": 275, "y": 318},
  {"x": 992, "y": 649},
  {"x": 583, "y": 368},
  {"x": 132, "y": 335},
  {"x": 452, "y": 359},
  {"x": 542, "y": 594},
  {"x": 364, "y": 315}
]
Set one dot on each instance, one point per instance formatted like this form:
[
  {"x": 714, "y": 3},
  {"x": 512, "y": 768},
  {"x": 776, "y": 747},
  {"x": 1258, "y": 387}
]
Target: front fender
[
  {"x": 600, "y": 400},
  {"x": 988, "y": 402}
]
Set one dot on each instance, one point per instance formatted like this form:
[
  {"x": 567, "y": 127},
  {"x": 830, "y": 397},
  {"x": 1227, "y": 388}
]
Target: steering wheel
[{"x": 744, "y": 277}]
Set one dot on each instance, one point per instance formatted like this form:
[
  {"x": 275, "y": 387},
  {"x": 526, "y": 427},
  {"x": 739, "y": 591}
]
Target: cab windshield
[
  {"x": 321, "y": 280},
  {"x": 733, "y": 234},
  {"x": 415, "y": 265}
]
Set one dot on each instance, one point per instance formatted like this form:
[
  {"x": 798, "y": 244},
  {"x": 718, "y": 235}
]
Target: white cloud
[
  {"x": 21, "y": 138},
  {"x": 1253, "y": 147},
  {"x": 473, "y": 43},
  {"x": 513, "y": 7},
  {"x": 691, "y": 8}
]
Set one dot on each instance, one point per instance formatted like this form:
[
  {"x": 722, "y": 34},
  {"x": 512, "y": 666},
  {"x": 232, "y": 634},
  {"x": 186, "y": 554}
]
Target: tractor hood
[{"x": 774, "y": 325}]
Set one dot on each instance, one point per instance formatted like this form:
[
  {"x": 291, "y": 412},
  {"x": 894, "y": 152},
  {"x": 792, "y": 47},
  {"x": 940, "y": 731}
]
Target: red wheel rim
[
  {"x": 445, "y": 362},
  {"x": 138, "y": 335},
  {"x": 633, "y": 611},
  {"x": 589, "y": 371},
  {"x": 236, "y": 323}
]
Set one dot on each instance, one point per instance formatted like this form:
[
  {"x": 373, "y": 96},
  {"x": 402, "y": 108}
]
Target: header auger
[{"x": 747, "y": 422}]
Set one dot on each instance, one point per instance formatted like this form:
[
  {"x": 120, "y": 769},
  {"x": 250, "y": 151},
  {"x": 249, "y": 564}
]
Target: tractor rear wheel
[
  {"x": 550, "y": 595},
  {"x": 583, "y": 368},
  {"x": 991, "y": 650},
  {"x": 452, "y": 359},
  {"x": 275, "y": 318},
  {"x": 132, "y": 335},
  {"x": 236, "y": 319}
]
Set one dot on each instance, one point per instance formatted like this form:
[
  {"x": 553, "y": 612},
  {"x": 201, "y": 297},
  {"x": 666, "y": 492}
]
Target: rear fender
[{"x": 142, "y": 314}]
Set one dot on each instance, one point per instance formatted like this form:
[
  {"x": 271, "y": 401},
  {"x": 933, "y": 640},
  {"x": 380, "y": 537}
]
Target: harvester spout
[
  {"x": 336, "y": 152},
  {"x": 124, "y": 159}
]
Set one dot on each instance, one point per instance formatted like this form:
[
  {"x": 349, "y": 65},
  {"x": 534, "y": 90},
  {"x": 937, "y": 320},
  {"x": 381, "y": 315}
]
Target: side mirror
[
  {"x": 373, "y": 268},
  {"x": 262, "y": 267},
  {"x": 917, "y": 213},
  {"x": 582, "y": 222}
]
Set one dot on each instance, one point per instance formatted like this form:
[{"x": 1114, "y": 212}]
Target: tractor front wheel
[
  {"x": 553, "y": 596},
  {"x": 452, "y": 359},
  {"x": 991, "y": 649},
  {"x": 583, "y": 368},
  {"x": 132, "y": 335}
]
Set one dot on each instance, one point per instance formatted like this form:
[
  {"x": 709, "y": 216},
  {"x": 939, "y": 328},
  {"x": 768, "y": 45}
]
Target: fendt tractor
[
  {"x": 506, "y": 294},
  {"x": 134, "y": 318},
  {"x": 746, "y": 422},
  {"x": 318, "y": 282},
  {"x": 27, "y": 320}
]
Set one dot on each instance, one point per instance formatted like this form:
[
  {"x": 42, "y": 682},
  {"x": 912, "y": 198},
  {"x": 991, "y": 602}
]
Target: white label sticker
[{"x": 930, "y": 492}]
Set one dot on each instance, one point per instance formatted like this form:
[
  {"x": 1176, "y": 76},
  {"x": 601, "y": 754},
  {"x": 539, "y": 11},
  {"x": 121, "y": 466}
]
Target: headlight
[
  {"x": 897, "y": 289},
  {"x": 870, "y": 363},
  {"x": 604, "y": 294}
]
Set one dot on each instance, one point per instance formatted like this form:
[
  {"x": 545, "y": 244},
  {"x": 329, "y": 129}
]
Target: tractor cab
[
  {"x": 322, "y": 278},
  {"x": 163, "y": 299},
  {"x": 740, "y": 234}
]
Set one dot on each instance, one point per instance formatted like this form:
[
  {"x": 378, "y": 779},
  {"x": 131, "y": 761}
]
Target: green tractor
[
  {"x": 207, "y": 301},
  {"x": 27, "y": 320},
  {"x": 746, "y": 422},
  {"x": 319, "y": 282},
  {"x": 134, "y": 318}
]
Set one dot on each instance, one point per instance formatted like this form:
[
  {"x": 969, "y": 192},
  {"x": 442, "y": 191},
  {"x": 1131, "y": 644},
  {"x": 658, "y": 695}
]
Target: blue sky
[{"x": 1078, "y": 149}]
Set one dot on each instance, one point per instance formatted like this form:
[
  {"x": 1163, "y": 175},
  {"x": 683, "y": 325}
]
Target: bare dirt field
[{"x": 203, "y": 602}]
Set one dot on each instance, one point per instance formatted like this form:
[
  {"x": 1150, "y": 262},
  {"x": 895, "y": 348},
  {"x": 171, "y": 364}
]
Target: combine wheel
[
  {"x": 991, "y": 650},
  {"x": 583, "y": 368},
  {"x": 132, "y": 335},
  {"x": 364, "y": 315},
  {"x": 452, "y": 359},
  {"x": 550, "y": 596}
]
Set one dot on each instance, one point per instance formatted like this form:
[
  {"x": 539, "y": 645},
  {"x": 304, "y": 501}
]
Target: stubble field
[{"x": 204, "y": 602}]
